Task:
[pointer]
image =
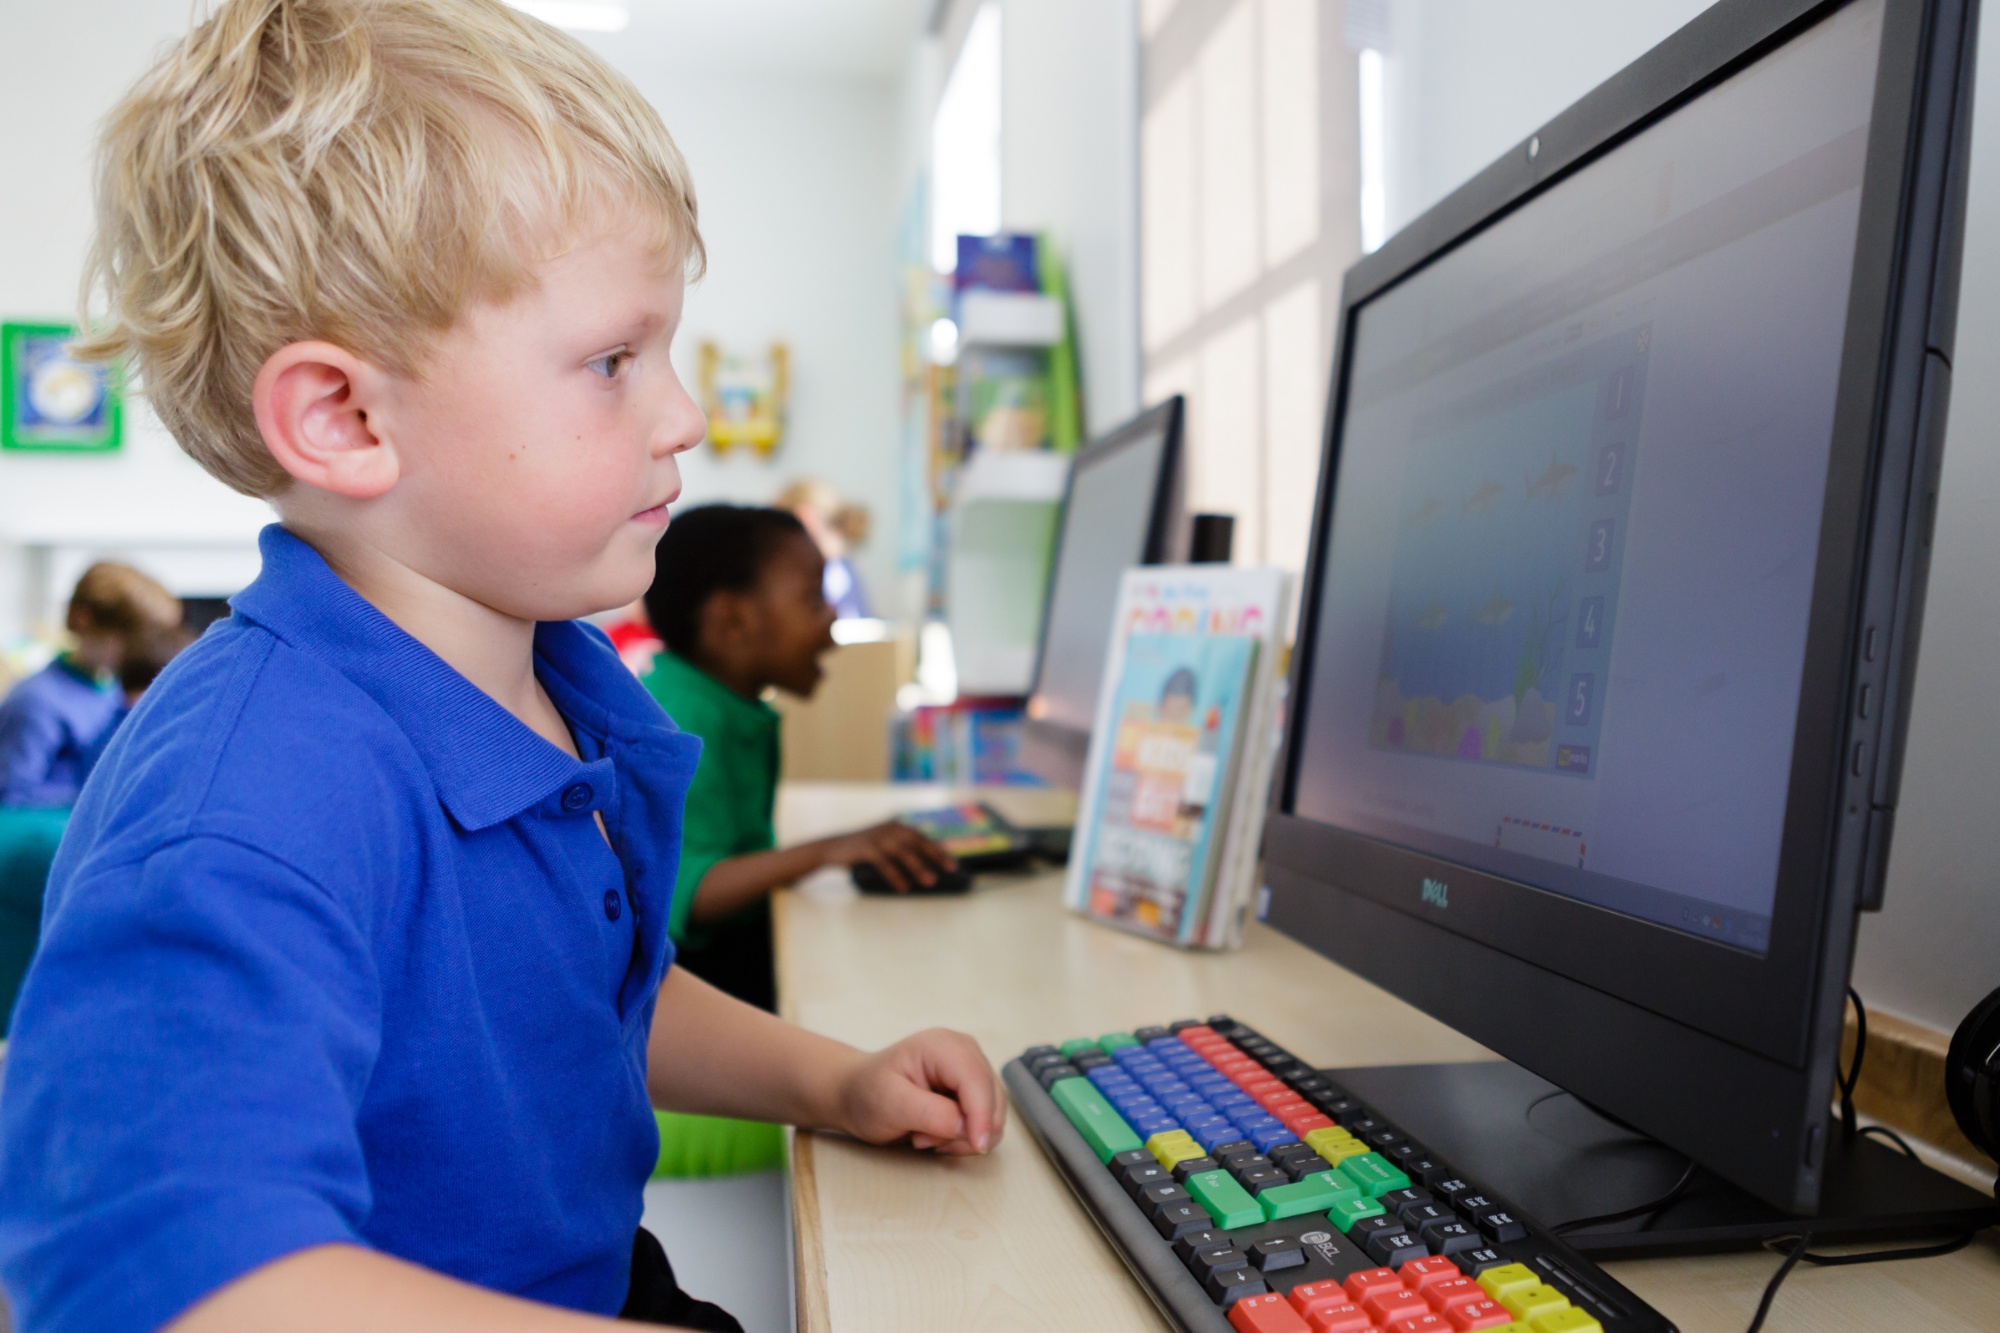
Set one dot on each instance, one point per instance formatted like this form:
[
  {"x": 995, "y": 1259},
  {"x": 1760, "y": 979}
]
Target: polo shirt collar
[
  {"x": 488, "y": 765},
  {"x": 736, "y": 712}
]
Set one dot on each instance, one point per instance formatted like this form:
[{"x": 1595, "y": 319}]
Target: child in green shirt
[{"x": 737, "y": 598}]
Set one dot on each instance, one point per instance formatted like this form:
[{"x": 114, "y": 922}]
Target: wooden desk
[{"x": 891, "y": 1240}]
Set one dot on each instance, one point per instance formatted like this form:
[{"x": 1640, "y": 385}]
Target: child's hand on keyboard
[{"x": 934, "y": 1088}]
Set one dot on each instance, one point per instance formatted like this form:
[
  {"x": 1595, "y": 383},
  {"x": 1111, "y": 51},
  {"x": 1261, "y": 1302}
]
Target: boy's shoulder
[{"x": 251, "y": 739}]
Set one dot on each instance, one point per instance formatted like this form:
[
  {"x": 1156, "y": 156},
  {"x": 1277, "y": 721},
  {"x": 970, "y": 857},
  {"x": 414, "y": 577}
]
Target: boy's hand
[
  {"x": 905, "y": 857},
  {"x": 935, "y": 1088}
]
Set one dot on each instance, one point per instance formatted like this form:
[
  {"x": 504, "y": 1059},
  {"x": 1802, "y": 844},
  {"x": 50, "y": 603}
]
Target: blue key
[
  {"x": 1146, "y": 1126},
  {"x": 1161, "y": 1044},
  {"x": 1179, "y": 1103},
  {"x": 1210, "y": 1084},
  {"x": 1125, "y": 1055},
  {"x": 1164, "y": 1088},
  {"x": 1108, "y": 1075},
  {"x": 1233, "y": 1100},
  {"x": 1212, "y": 1133},
  {"x": 1137, "y": 1106},
  {"x": 1263, "y": 1139}
]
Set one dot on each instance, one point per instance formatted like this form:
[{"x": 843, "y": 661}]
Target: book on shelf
[{"x": 1180, "y": 762}]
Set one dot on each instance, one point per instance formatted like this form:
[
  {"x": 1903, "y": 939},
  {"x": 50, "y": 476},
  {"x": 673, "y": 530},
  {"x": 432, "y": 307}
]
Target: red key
[
  {"x": 1302, "y": 1123},
  {"x": 1277, "y": 1101},
  {"x": 1419, "y": 1274},
  {"x": 1451, "y": 1293},
  {"x": 1427, "y": 1322},
  {"x": 1310, "y": 1296},
  {"x": 1341, "y": 1319},
  {"x": 1418, "y": 1323},
  {"x": 1359, "y": 1285},
  {"x": 1200, "y": 1030},
  {"x": 1387, "y": 1305},
  {"x": 1478, "y": 1314},
  {"x": 1267, "y": 1313}
]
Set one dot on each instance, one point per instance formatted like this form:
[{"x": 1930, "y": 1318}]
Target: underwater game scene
[{"x": 1504, "y": 594}]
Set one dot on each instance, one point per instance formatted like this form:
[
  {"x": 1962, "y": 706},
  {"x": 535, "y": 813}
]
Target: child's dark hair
[{"x": 707, "y": 550}]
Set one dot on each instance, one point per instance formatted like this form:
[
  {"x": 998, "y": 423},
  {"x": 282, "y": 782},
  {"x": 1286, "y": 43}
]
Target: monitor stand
[{"x": 1555, "y": 1159}]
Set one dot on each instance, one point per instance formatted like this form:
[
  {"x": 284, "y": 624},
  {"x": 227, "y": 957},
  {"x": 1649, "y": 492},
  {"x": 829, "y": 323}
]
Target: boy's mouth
[{"x": 657, "y": 514}]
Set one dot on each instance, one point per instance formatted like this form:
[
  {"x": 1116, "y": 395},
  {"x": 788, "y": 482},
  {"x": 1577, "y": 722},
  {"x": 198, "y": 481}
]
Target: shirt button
[
  {"x": 613, "y": 904},
  {"x": 577, "y": 797}
]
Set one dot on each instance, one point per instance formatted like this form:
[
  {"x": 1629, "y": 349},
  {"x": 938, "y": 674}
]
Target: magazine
[
  {"x": 1197, "y": 602},
  {"x": 1161, "y": 786}
]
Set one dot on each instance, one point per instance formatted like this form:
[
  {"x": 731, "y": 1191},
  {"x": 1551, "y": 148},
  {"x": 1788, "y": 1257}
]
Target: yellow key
[
  {"x": 1571, "y": 1320},
  {"x": 1170, "y": 1146},
  {"x": 1529, "y": 1304},
  {"x": 1506, "y": 1278},
  {"x": 1336, "y": 1145}
]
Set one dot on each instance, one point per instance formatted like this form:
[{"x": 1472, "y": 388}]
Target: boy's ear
[{"x": 312, "y": 402}]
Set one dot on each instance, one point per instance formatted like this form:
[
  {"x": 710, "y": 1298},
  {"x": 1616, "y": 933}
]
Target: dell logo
[{"x": 1436, "y": 893}]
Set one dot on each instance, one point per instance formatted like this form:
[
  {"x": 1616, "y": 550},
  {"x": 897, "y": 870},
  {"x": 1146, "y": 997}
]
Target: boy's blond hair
[{"x": 358, "y": 171}]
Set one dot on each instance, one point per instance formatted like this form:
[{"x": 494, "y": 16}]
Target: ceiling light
[{"x": 578, "y": 15}]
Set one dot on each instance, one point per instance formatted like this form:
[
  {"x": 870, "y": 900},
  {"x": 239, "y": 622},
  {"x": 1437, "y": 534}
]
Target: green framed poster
[{"x": 50, "y": 401}]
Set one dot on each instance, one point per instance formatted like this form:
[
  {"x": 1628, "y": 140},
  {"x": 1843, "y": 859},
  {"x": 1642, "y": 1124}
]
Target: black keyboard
[{"x": 1247, "y": 1191}]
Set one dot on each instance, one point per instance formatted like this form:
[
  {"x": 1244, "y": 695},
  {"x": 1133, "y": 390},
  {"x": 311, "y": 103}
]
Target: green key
[
  {"x": 1111, "y": 1041},
  {"x": 1347, "y": 1212},
  {"x": 1102, "y": 1127},
  {"x": 1077, "y": 1046},
  {"x": 1226, "y": 1201},
  {"x": 1372, "y": 1172},
  {"x": 1322, "y": 1189}
]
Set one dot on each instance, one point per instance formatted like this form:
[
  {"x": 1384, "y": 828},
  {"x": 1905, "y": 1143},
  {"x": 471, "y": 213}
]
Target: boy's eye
[{"x": 610, "y": 363}]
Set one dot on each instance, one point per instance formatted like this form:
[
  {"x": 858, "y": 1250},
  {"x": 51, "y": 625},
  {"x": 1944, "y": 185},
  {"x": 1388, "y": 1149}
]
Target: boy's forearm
[
  {"x": 736, "y": 882},
  {"x": 711, "y": 1054},
  {"x": 338, "y": 1288}
]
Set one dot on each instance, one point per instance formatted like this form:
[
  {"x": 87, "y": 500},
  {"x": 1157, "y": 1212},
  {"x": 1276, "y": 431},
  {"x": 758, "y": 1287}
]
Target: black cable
[
  {"x": 1771, "y": 1287},
  {"x": 1627, "y": 1214},
  {"x": 1852, "y": 1079},
  {"x": 1800, "y": 1252},
  {"x": 1889, "y": 1135}
]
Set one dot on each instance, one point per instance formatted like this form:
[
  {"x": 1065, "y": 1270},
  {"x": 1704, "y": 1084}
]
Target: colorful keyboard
[{"x": 1247, "y": 1191}]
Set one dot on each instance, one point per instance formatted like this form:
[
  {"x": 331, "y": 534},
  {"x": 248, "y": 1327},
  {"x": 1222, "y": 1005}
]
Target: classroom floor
[{"x": 730, "y": 1241}]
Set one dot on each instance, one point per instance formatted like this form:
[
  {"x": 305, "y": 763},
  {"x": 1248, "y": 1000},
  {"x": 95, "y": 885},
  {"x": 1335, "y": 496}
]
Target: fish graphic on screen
[
  {"x": 1485, "y": 497},
  {"x": 1551, "y": 483}
]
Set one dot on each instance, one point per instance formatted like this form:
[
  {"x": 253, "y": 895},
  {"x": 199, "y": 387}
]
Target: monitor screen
[
  {"x": 1106, "y": 524},
  {"x": 1575, "y": 522}
]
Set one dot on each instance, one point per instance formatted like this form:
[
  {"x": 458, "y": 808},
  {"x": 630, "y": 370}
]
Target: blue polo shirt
[
  {"x": 334, "y": 952},
  {"x": 50, "y": 727}
]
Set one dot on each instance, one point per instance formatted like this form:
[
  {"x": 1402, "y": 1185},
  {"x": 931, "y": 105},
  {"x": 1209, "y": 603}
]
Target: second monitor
[{"x": 1122, "y": 508}]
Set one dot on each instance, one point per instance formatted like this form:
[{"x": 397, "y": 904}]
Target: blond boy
[{"x": 355, "y": 985}]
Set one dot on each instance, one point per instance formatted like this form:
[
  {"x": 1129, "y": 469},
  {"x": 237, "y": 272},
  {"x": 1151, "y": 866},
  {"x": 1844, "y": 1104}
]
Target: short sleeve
[
  {"x": 182, "y": 1086},
  {"x": 31, "y": 735}
]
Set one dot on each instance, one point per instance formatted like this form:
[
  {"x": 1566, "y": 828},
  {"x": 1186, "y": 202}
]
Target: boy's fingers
[{"x": 957, "y": 1064}]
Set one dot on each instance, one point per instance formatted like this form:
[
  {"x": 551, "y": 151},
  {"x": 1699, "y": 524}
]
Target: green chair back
[{"x": 28, "y": 841}]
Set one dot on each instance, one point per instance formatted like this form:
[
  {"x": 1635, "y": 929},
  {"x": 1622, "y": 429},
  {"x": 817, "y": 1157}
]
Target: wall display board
[{"x": 50, "y": 401}]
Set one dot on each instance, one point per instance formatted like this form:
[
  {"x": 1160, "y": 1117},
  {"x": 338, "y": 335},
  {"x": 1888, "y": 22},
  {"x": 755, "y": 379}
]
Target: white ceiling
[{"x": 855, "y": 38}]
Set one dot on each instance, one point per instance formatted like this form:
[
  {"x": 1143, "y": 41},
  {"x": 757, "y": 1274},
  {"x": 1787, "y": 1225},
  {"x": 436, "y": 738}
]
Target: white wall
[
  {"x": 1069, "y": 166},
  {"x": 1469, "y": 79},
  {"x": 795, "y": 176},
  {"x": 58, "y": 76}
]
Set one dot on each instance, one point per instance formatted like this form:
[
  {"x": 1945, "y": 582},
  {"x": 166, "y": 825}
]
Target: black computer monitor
[
  {"x": 1617, "y": 565},
  {"x": 1122, "y": 507}
]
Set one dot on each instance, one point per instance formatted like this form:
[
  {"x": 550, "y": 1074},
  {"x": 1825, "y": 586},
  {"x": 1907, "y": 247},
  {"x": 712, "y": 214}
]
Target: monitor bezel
[
  {"x": 1770, "y": 1018},
  {"x": 1166, "y": 419}
]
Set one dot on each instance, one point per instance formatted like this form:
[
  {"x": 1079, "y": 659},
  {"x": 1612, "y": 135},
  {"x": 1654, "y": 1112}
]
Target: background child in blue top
[
  {"x": 354, "y": 984},
  {"x": 54, "y": 723},
  {"x": 737, "y": 599}
]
